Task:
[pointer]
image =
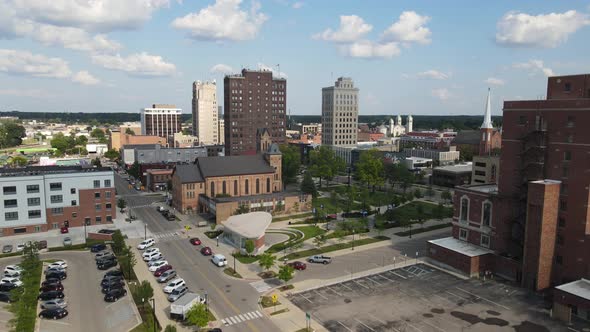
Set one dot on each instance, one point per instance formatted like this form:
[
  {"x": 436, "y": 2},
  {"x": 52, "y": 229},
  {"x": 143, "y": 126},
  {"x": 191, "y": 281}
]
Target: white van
[
  {"x": 219, "y": 260},
  {"x": 154, "y": 255},
  {"x": 146, "y": 244}
]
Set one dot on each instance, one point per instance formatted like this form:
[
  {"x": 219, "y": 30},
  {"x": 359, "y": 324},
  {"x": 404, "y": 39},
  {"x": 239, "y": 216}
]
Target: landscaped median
[
  {"x": 335, "y": 247},
  {"x": 24, "y": 307}
]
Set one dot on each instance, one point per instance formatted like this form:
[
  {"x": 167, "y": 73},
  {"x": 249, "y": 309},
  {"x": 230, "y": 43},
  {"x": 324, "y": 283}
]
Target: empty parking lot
[{"x": 421, "y": 298}]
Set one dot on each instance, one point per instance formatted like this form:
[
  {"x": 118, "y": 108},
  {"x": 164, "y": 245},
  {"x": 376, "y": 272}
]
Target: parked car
[
  {"x": 54, "y": 269},
  {"x": 64, "y": 230},
  {"x": 20, "y": 247},
  {"x": 105, "y": 265},
  {"x": 149, "y": 251},
  {"x": 56, "y": 275},
  {"x": 165, "y": 276},
  {"x": 107, "y": 231},
  {"x": 114, "y": 273},
  {"x": 107, "y": 280},
  {"x": 98, "y": 247},
  {"x": 11, "y": 280},
  {"x": 51, "y": 281},
  {"x": 51, "y": 295},
  {"x": 216, "y": 329},
  {"x": 103, "y": 255},
  {"x": 172, "y": 285},
  {"x": 219, "y": 260},
  {"x": 54, "y": 304},
  {"x": 195, "y": 241},
  {"x": 146, "y": 244},
  {"x": 60, "y": 263},
  {"x": 320, "y": 259},
  {"x": 154, "y": 256},
  {"x": 115, "y": 294},
  {"x": 162, "y": 269},
  {"x": 156, "y": 265},
  {"x": 56, "y": 313},
  {"x": 105, "y": 259},
  {"x": 110, "y": 287},
  {"x": 177, "y": 293},
  {"x": 67, "y": 241},
  {"x": 12, "y": 270},
  {"x": 297, "y": 265},
  {"x": 52, "y": 287},
  {"x": 7, "y": 287},
  {"x": 171, "y": 217},
  {"x": 42, "y": 244},
  {"x": 7, "y": 248},
  {"x": 6, "y": 297},
  {"x": 206, "y": 251}
]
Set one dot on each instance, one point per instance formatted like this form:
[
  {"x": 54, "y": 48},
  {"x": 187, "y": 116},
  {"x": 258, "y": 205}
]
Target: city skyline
[{"x": 409, "y": 59}]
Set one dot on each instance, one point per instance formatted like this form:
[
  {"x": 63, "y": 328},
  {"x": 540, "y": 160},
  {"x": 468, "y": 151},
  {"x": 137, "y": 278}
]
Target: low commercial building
[
  {"x": 157, "y": 179},
  {"x": 40, "y": 198},
  {"x": 485, "y": 169},
  {"x": 238, "y": 229},
  {"x": 571, "y": 301},
  {"x": 156, "y": 154},
  {"x": 451, "y": 176},
  {"x": 119, "y": 139},
  {"x": 413, "y": 163},
  {"x": 184, "y": 141},
  {"x": 443, "y": 156}
]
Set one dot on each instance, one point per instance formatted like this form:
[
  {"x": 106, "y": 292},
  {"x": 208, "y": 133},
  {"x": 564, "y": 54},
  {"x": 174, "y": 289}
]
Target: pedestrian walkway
[
  {"x": 237, "y": 319},
  {"x": 163, "y": 236},
  {"x": 261, "y": 286}
]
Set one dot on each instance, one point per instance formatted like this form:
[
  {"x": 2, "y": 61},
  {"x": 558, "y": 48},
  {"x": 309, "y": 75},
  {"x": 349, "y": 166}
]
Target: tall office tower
[
  {"x": 160, "y": 120},
  {"x": 340, "y": 113},
  {"x": 253, "y": 100},
  {"x": 205, "y": 112}
]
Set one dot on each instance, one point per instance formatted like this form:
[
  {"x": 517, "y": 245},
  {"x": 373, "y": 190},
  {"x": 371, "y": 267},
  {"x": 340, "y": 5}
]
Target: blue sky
[{"x": 407, "y": 57}]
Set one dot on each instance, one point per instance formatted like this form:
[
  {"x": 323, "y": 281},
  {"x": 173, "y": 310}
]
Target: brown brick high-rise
[{"x": 253, "y": 100}]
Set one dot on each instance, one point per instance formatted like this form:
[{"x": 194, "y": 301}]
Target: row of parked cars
[
  {"x": 10, "y": 280},
  {"x": 6, "y": 249},
  {"x": 51, "y": 294},
  {"x": 166, "y": 214},
  {"x": 164, "y": 272},
  {"x": 113, "y": 282}
]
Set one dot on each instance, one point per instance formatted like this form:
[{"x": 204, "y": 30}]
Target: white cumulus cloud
[
  {"x": 494, "y": 81},
  {"x": 545, "y": 30},
  {"x": 351, "y": 29},
  {"x": 139, "y": 64},
  {"x": 442, "y": 93},
  {"x": 297, "y": 5},
  {"x": 224, "y": 20},
  {"x": 410, "y": 28},
  {"x": 534, "y": 66},
  {"x": 24, "y": 63},
  {"x": 433, "y": 74},
  {"x": 222, "y": 69},
  {"x": 368, "y": 49}
]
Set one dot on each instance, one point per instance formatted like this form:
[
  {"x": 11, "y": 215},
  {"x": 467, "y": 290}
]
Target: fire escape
[{"x": 532, "y": 156}]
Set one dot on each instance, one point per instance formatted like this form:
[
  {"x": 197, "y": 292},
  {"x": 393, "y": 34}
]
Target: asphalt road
[
  {"x": 87, "y": 310},
  {"x": 228, "y": 297}
]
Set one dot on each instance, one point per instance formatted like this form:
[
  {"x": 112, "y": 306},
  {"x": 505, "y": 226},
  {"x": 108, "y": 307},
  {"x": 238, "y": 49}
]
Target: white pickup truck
[{"x": 320, "y": 259}]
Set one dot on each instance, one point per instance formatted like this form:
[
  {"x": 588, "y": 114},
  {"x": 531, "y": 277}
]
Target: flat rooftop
[
  {"x": 41, "y": 170},
  {"x": 484, "y": 188},
  {"x": 580, "y": 288},
  {"x": 463, "y": 168},
  {"x": 461, "y": 247}
]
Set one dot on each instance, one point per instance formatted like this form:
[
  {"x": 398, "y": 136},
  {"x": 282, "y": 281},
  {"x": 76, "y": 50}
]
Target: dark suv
[
  {"x": 61, "y": 275},
  {"x": 115, "y": 294},
  {"x": 105, "y": 265}
]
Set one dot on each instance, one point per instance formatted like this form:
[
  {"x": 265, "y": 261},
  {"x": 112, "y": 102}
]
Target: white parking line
[
  {"x": 399, "y": 275},
  {"x": 337, "y": 293},
  {"x": 339, "y": 322},
  {"x": 483, "y": 298},
  {"x": 427, "y": 323},
  {"x": 375, "y": 281},
  {"x": 414, "y": 327},
  {"x": 343, "y": 285},
  {"x": 461, "y": 297},
  {"x": 358, "y": 321},
  {"x": 358, "y": 283},
  {"x": 320, "y": 294},
  {"x": 58, "y": 322},
  {"x": 303, "y": 296},
  {"x": 386, "y": 278},
  {"x": 377, "y": 319}
]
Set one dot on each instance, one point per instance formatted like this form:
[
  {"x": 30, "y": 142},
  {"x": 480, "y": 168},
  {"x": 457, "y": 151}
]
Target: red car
[
  {"x": 162, "y": 269},
  {"x": 195, "y": 241},
  {"x": 297, "y": 265},
  {"x": 64, "y": 230},
  {"x": 206, "y": 251}
]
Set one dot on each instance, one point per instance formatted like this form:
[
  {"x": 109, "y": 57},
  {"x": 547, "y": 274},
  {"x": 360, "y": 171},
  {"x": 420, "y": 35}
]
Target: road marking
[
  {"x": 303, "y": 296},
  {"x": 358, "y": 283},
  {"x": 427, "y": 323},
  {"x": 257, "y": 313},
  {"x": 397, "y": 274},
  {"x": 339, "y": 322},
  {"x": 57, "y": 322},
  {"x": 325, "y": 298},
  {"x": 414, "y": 327},
  {"x": 461, "y": 297},
  {"x": 243, "y": 317},
  {"x": 386, "y": 278},
  {"x": 363, "y": 324},
  {"x": 328, "y": 287},
  {"x": 343, "y": 285},
  {"x": 377, "y": 319},
  {"x": 234, "y": 320},
  {"x": 250, "y": 315},
  {"x": 483, "y": 298},
  {"x": 224, "y": 322},
  {"x": 375, "y": 281}
]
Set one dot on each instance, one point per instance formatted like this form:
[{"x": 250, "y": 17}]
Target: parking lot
[{"x": 421, "y": 298}]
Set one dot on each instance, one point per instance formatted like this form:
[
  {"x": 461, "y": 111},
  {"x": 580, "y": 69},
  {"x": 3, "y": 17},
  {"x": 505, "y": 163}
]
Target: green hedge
[{"x": 25, "y": 307}]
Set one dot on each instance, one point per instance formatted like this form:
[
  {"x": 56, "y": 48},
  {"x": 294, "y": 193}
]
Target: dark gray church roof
[{"x": 205, "y": 167}]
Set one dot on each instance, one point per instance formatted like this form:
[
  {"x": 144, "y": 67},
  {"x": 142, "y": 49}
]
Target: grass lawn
[
  {"x": 410, "y": 211},
  {"x": 310, "y": 231},
  {"x": 245, "y": 259},
  {"x": 293, "y": 216},
  {"x": 266, "y": 302},
  {"x": 279, "y": 311},
  {"x": 25, "y": 308},
  {"x": 334, "y": 247},
  {"x": 230, "y": 272}
]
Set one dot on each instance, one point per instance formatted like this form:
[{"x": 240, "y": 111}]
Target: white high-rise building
[
  {"x": 340, "y": 113},
  {"x": 205, "y": 112}
]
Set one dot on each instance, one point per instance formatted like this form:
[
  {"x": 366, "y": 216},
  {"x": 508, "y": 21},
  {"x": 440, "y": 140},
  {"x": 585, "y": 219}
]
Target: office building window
[
  {"x": 87, "y": 221},
  {"x": 9, "y": 190},
  {"x": 10, "y": 203},
  {"x": 258, "y": 186},
  {"x": 267, "y": 185},
  {"x": 37, "y": 229},
  {"x": 55, "y": 225},
  {"x": 108, "y": 206},
  {"x": 56, "y": 198},
  {"x": 96, "y": 183},
  {"x": 223, "y": 188},
  {"x": 235, "y": 187},
  {"x": 565, "y": 171},
  {"x": 107, "y": 194},
  {"x": 462, "y": 234},
  {"x": 463, "y": 215},
  {"x": 55, "y": 186},
  {"x": 74, "y": 203},
  {"x": 74, "y": 214},
  {"x": 34, "y": 201},
  {"x": 110, "y": 218},
  {"x": 485, "y": 241},
  {"x": 97, "y": 207},
  {"x": 247, "y": 187},
  {"x": 57, "y": 211},
  {"x": 32, "y": 188},
  {"x": 107, "y": 183},
  {"x": 563, "y": 205},
  {"x": 212, "y": 189},
  {"x": 98, "y": 220},
  {"x": 10, "y": 216},
  {"x": 486, "y": 219},
  {"x": 571, "y": 120},
  {"x": 561, "y": 222},
  {"x": 34, "y": 214},
  {"x": 73, "y": 191},
  {"x": 96, "y": 195},
  {"x": 567, "y": 155}
]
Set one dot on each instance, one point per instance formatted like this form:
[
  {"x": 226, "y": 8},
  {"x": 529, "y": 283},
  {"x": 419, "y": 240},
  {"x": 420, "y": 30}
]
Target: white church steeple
[{"x": 487, "y": 118}]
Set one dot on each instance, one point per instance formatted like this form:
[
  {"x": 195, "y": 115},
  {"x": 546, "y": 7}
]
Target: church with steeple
[{"x": 486, "y": 164}]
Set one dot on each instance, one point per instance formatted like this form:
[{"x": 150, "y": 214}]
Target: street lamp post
[
  {"x": 154, "y": 311},
  {"x": 145, "y": 231},
  {"x": 235, "y": 264},
  {"x": 207, "y": 301},
  {"x": 85, "y": 235},
  {"x": 353, "y": 239},
  {"x": 217, "y": 238}
]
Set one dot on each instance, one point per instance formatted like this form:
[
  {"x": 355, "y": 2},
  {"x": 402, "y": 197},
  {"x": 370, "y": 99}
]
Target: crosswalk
[
  {"x": 165, "y": 235},
  {"x": 241, "y": 318},
  {"x": 260, "y": 286}
]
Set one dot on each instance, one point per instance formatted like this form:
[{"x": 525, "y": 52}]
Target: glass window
[
  {"x": 567, "y": 155},
  {"x": 74, "y": 202},
  {"x": 258, "y": 186},
  {"x": 485, "y": 241},
  {"x": 107, "y": 194},
  {"x": 464, "y": 209},
  {"x": 56, "y": 198},
  {"x": 108, "y": 206},
  {"x": 463, "y": 234},
  {"x": 487, "y": 214},
  {"x": 73, "y": 191},
  {"x": 34, "y": 214},
  {"x": 10, "y": 216},
  {"x": 98, "y": 220},
  {"x": 247, "y": 187},
  {"x": 9, "y": 190},
  {"x": 58, "y": 210},
  {"x": 87, "y": 220},
  {"x": 10, "y": 203},
  {"x": 34, "y": 201},
  {"x": 55, "y": 186},
  {"x": 98, "y": 207},
  {"x": 96, "y": 195},
  {"x": 96, "y": 183},
  {"x": 212, "y": 189},
  {"x": 109, "y": 218},
  {"x": 74, "y": 214},
  {"x": 107, "y": 183},
  {"x": 37, "y": 228},
  {"x": 55, "y": 225},
  {"x": 32, "y": 188}
]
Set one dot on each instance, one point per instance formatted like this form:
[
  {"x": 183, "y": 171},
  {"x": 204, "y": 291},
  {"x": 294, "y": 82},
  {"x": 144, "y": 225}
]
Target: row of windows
[
  {"x": 484, "y": 240},
  {"x": 54, "y": 186},
  {"x": 33, "y": 214},
  {"x": 486, "y": 212},
  {"x": 224, "y": 190}
]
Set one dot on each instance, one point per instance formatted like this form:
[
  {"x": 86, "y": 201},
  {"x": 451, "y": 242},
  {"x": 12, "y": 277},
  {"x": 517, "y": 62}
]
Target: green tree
[
  {"x": 446, "y": 195},
  {"x": 430, "y": 192},
  {"x": 439, "y": 211},
  {"x": 197, "y": 315},
  {"x": 369, "y": 169},
  {"x": 420, "y": 215},
  {"x": 111, "y": 154},
  {"x": 145, "y": 290},
  {"x": 97, "y": 133},
  {"x": 81, "y": 140},
  {"x": 134, "y": 170},
  {"x": 170, "y": 328},
  {"x": 11, "y": 134},
  {"x": 249, "y": 246},
  {"x": 319, "y": 240},
  {"x": 17, "y": 161},
  {"x": 351, "y": 196},
  {"x": 96, "y": 162},
  {"x": 62, "y": 143},
  {"x": 121, "y": 204},
  {"x": 129, "y": 131},
  {"x": 118, "y": 242},
  {"x": 364, "y": 197},
  {"x": 242, "y": 208},
  {"x": 290, "y": 164},
  {"x": 325, "y": 164},
  {"x": 266, "y": 260},
  {"x": 127, "y": 261},
  {"x": 307, "y": 185},
  {"x": 285, "y": 273},
  {"x": 418, "y": 193}
]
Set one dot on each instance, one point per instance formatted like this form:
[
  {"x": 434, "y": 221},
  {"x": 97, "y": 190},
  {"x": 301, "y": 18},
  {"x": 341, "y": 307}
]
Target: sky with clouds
[{"x": 407, "y": 57}]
